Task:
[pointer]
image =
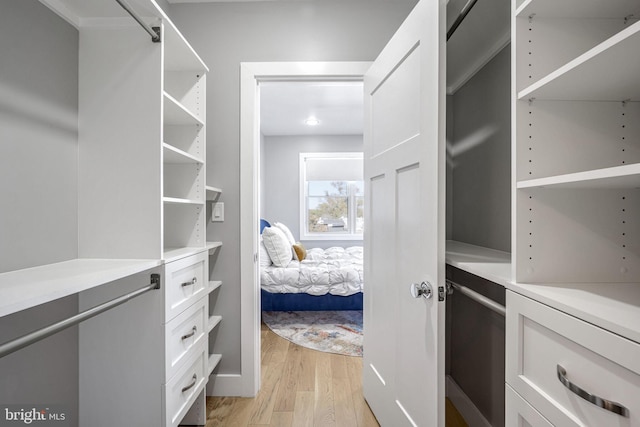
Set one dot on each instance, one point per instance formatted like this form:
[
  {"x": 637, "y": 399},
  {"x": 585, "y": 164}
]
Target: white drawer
[
  {"x": 183, "y": 334},
  {"x": 540, "y": 339},
  {"x": 182, "y": 390},
  {"x": 185, "y": 283},
  {"x": 520, "y": 413}
]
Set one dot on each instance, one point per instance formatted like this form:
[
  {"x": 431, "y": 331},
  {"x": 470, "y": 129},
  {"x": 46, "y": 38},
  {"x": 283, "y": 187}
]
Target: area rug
[{"x": 329, "y": 331}]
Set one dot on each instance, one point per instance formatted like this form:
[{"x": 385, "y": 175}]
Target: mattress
[{"x": 335, "y": 271}]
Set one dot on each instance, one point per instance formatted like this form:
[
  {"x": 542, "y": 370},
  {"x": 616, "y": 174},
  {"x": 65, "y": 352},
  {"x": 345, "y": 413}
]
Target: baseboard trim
[
  {"x": 225, "y": 385},
  {"x": 464, "y": 405}
]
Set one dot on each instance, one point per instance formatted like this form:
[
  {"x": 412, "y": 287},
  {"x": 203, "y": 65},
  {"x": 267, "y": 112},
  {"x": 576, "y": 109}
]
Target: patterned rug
[{"x": 329, "y": 331}]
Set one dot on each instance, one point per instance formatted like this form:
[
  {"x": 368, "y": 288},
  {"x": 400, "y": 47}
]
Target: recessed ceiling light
[{"x": 312, "y": 121}]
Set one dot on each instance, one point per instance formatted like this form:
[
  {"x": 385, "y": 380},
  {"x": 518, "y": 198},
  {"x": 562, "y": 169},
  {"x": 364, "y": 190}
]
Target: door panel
[
  {"x": 403, "y": 365},
  {"x": 400, "y": 87}
]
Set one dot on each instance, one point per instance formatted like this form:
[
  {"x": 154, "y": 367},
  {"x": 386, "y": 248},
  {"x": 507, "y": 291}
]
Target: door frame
[{"x": 251, "y": 74}]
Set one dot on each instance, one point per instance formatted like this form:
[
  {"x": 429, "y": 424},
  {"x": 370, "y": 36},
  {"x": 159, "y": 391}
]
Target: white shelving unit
[
  {"x": 576, "y": 206},
  {"x": 141, "y": 200},
  {"x": 577, "y": 163}
]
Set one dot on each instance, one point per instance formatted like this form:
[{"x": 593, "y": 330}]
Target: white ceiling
[{"x": 284, "y": 107}]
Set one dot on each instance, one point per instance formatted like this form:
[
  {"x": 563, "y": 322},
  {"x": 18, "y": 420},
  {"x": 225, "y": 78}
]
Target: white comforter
[{"x": 336, "y": 271}]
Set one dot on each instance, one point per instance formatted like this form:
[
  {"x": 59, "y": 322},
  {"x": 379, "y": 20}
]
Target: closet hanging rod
[
  {"x": 154, "y": 32},
  {"x": 463, "y": 14},
  {"x": 32, "y": 337},
  {"x": 487, "y": 302}
]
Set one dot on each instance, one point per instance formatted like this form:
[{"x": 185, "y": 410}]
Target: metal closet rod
[
  {"x": 154, "y": 32},
  {"x": 32, "y": 337},
  {"x": 463, "y": 14},
  {"x": 479, "y": 298}
]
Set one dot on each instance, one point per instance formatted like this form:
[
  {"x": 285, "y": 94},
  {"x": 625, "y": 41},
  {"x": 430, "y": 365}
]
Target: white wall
[
  {"x": 226, "y": 34},
  {"x": 38, "y": 194},
  {"x": 38, "y": 136},
  {"x": 281, "y": 189}
]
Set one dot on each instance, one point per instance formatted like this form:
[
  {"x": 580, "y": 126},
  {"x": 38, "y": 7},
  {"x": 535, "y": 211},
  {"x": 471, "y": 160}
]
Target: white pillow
[
  {"x": 287, "y": 232},
  {"x": 265, "y": 260},
  {"x": 277, "y": 246}
]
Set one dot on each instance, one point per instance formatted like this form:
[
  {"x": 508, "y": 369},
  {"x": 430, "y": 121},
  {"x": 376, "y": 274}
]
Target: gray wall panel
[
  {"x": 480, "y": 157},
  {"x": 226, "y": 34}
]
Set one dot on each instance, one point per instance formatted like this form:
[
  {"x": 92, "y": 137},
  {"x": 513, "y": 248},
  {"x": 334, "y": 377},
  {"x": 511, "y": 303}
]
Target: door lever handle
[{"x": 421, "y": 290}]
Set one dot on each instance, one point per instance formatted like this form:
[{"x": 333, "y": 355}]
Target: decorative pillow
[
  {"x": 299, "y": 251},
  {"x": 277, "y": 246},
  {"x": 265, "y": 260},
  {"x": 286, "y": 231}
]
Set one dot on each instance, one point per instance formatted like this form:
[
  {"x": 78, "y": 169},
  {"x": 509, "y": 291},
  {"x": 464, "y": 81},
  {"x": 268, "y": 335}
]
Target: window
[{"x": 331, "y": 196}]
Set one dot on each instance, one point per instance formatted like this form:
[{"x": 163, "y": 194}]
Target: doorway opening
[{"x": 254, "y": 77}]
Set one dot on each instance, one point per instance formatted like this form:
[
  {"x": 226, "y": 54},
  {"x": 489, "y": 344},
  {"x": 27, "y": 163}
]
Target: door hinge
[{"x": 441, "y": 293}]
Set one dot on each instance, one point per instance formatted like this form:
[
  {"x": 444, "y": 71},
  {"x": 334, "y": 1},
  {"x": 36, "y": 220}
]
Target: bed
[{"x": 314, "y": 279}]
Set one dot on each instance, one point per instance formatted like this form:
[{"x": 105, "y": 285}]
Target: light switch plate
[{"x": 217, "y": 212}]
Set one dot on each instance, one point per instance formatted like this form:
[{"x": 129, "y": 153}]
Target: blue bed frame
[{"x": 306, "y": 302}]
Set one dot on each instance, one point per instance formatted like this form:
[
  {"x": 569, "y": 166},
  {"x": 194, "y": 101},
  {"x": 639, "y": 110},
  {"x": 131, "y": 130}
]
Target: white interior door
[{"x": 403, "y": 365}]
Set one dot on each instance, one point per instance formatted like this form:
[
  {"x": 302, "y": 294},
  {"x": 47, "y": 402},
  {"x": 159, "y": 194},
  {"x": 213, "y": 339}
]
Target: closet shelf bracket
[{"x": 154, "y": 32}]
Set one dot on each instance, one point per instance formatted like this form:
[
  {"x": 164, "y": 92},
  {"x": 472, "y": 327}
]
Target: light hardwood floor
[{"x": 301, "y": 387}]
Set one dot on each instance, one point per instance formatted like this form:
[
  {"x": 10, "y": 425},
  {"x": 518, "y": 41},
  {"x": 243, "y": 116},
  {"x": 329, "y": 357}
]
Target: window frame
[{"x": 304, "y": 199}]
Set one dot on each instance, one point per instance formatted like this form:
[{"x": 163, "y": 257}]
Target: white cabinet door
[{"x": 403, "y": 373}]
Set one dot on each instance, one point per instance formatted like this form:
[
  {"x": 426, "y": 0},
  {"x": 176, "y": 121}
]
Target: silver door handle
[
  {"x": 190, "y": 334},
  {"x": 614, "y": 407},
  {"x": 421, "y": 290},
  {"x": 192, "y": 282},
  {"x": 193, "y": 382}
]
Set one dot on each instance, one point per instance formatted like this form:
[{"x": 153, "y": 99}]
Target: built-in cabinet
[
  {"x": 573, "y": 274},
  {"x": 576, "y": 208},
  {"x": 142, "y": 198}
]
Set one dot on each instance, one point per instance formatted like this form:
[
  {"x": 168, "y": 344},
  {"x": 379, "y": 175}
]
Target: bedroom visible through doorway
[
  {"x": 311, "y": 188},
  {"x": 254, "y": 77}
]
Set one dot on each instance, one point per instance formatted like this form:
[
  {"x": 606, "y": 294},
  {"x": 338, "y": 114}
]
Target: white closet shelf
[
  {"x": 212, "y": 192},
  {"x": 173, "y": 254},
  {"x": 618, "y": 304},
  {"x": 213, "y": 322},
  {"x": 23, "y": 289},
  {"x": 212, "y": 246},
  {"x": 583, "y": 9},
  {"x": 179, "y": 55},
  {"x": 173, "y": 155},
  {"x": 605, "y": 73},
  {"x": 214, "y": 284},
  {"x": 214, "y": 359},
  {"x": 627, "y": 176},
  {"x": 180, "y": 201},
  {"x": 177, "y": 114},
  {"x": 487, "y": 263}
]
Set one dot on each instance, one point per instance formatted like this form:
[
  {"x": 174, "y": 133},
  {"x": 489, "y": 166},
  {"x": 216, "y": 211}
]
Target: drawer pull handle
[
  {"x": 192, "y": 282},
  {"x": 614, "y": 407},
  {"x": 190, "y": 334},
  {"x": 193, "y": 383}
]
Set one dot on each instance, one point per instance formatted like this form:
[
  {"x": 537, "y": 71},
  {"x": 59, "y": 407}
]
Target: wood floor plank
[
  {"x": 286, "y": 397},
  {"x": 303, "y": 411},
  {"x": 307, "y": 376},
  {"x": 343, "y": 401},
  {"x": 266, "y": 399},
  {"x": 324, "y": 411}
]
